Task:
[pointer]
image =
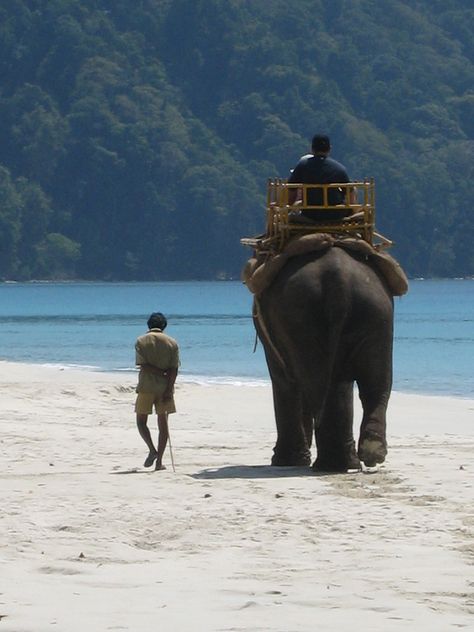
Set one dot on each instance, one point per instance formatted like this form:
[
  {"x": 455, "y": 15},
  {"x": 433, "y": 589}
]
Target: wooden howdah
[{"x": 285, "y": 221}]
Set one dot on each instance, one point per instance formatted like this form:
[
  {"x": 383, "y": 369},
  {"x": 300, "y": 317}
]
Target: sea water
[{"x": 94, "y": 325}]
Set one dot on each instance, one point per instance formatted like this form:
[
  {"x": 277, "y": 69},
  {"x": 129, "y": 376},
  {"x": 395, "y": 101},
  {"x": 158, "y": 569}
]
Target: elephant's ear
[
  {"x": 248, "y": 270},
  {"x": 392, "y": 271}
]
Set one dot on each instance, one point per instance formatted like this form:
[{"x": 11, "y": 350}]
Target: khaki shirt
[{"x": 160, "y": 350}]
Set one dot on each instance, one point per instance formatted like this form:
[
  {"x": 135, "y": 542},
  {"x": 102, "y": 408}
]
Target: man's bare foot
[
  {"x": 150, "y": 459},
  {"x": 159, "y": 466}
]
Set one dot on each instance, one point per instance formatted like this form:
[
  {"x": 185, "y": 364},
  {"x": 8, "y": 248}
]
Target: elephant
[{"x": 325, "y": 323}]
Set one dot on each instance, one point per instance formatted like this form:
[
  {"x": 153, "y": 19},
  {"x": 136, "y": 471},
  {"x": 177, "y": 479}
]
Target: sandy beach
[{"x": 91, "y": 541}]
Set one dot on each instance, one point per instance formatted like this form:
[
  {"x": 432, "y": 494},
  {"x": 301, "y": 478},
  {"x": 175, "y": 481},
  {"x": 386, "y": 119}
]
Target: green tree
[
  {"x": 57, "y": 257},
  {"x": 36, "y": 214},
  {"x": 10, "y": 213},
  {"x": 140, "y": 131}
]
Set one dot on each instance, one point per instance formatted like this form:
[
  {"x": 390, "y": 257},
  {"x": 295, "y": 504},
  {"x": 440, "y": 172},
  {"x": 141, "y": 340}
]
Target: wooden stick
[{"x": 171, "y": 450}]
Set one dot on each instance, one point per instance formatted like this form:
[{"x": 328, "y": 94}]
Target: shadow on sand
[
  {"x": 134, "y": 471},
  {"x": 248, "y": 472},
  {"x": 254, "y": 471}
]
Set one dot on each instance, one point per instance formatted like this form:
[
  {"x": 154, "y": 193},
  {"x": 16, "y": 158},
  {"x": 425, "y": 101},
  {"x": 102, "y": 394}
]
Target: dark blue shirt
[{"x": 321, "y": 170}]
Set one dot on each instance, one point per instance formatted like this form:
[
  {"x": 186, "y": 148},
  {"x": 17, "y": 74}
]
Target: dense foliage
[{"x": 136, "y": 136}]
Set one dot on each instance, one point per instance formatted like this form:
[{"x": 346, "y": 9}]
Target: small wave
[
  {"x": 207, "y": 380},
  {"x": 71, "y": 366},
  {"x": 132, "y": 319},
  {"x": 201, "y": 380}
]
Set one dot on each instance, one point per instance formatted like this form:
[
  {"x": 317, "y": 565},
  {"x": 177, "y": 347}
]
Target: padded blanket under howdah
[{"x": 259, "y": 272}]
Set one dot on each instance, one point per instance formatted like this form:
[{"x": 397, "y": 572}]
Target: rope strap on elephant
[{"x": 261, "y": 269}]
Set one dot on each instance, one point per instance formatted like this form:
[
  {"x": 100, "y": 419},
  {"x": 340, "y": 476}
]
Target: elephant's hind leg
[
  {"x": 375, "y": 381},
  {"x": 372, "y": 448},
  {"x": 334, "y": 435},
  {"x": 292, "y": 419}
]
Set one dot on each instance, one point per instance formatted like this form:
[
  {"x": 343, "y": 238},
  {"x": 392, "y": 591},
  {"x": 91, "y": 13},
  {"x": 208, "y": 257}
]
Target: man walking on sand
[{"x": 157, "y": 356}]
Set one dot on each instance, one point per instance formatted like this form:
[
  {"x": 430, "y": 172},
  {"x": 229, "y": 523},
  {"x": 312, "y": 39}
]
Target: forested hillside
[{"x": 136, "y": 136}]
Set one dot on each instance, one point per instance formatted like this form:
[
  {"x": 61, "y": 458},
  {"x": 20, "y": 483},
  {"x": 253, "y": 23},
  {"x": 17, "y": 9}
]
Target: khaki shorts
[{"x": 145, "y": 402}]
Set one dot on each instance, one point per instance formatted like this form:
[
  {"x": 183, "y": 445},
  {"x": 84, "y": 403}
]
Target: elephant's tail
[
  {"x": 326, "y": 360},
  {"x": 263, "y": 333},
  {"x": 327, "y": 369}
]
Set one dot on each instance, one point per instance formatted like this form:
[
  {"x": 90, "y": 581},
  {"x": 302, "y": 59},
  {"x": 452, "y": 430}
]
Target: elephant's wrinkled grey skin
[{"x": 325, "y": 322}]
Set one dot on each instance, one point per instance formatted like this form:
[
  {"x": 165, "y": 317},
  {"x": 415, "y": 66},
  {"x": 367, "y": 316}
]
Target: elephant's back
[{"x": 334, "y": 286}]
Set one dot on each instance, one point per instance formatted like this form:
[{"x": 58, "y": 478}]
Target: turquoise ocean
[{"x": 94, "y": 326}]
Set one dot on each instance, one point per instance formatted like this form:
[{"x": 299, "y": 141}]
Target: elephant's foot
[
  {"x": 336, "y": 462},
  {"x": 372, "y": 451},
  {"x": 322, "y": 465},
  {"x": 299, "y": 459}
]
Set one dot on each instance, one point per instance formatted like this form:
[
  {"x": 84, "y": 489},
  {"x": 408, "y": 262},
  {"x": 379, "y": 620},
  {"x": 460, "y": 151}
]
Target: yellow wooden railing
[
  {"x": 285, "y": 219},
  {"x": 288, "y": 213}
]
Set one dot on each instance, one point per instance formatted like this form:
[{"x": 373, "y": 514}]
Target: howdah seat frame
[{"x": 285, "y": 220}]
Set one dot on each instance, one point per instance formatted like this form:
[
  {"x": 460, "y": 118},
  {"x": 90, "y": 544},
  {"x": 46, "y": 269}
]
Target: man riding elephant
[{"x": 319, "y": 168}]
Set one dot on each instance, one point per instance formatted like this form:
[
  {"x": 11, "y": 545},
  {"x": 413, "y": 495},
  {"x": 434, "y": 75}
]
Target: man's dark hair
[
  {"x": 157, "y": 321},
  {"x": 320, "y": 143}
]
